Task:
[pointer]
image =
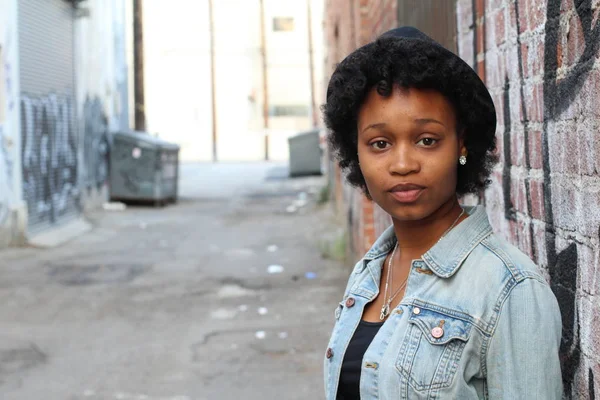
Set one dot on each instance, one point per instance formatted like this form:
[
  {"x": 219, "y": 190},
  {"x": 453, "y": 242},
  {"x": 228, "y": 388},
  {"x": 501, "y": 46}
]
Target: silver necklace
[
  {"x": 385, "y": 308},
  {"x": 452, "y": 226}
]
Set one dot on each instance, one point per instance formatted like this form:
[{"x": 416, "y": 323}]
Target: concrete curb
[{"x": 60, "y": 235}]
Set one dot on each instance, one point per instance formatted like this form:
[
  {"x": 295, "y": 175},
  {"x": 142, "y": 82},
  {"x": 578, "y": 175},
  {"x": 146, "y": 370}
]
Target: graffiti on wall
[
  {"x": 558, "y": 95},
  {"x": 6, "y": 107},
  {"x": 96, "y": 143},
  {"x": 49, "y": 158},
  {"x": 4, "y": 167},
  {"x": 5, "y": 179}
]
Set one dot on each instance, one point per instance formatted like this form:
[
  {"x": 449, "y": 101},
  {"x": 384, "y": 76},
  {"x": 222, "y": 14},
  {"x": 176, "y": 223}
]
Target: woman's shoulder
[{"x": 514, "y": 261}]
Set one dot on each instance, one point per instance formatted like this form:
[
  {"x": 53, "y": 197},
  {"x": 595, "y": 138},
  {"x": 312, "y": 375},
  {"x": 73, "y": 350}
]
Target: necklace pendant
[{"x": 385, "y": 311}]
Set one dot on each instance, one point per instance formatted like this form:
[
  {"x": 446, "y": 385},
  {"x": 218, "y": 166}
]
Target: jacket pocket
[{"x": 432, "y": 348}]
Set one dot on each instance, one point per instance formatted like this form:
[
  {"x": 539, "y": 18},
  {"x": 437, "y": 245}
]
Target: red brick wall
[{"x": 541, "y": 61}]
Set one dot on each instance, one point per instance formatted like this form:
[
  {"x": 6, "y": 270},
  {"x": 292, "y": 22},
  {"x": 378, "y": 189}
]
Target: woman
[{"x": 439, "y": 307}]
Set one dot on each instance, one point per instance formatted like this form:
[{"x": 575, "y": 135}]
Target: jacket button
[
  {"x": 350, "y": 302},
  {"x": 373, "y": 365},
  {"x": 329, "y": 353},
  {"x": 416, "y": 311},
  {"x": 437, "y": 332}
]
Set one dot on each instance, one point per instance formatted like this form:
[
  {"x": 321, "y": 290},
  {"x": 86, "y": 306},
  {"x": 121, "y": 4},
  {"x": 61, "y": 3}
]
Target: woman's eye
[
  {"x": 428, "y": 141},
  {"x": 380, "y": 144}
]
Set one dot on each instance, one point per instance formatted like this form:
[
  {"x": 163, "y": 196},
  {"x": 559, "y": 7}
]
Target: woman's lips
[{"x": 407, "y": 196}]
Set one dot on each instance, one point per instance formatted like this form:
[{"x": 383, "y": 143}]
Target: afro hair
[{"x": 411, "y": 63}]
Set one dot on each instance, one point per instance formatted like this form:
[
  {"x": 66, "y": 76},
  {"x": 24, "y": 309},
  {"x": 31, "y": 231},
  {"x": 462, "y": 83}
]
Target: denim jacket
[{"x": 500, "y": 323}]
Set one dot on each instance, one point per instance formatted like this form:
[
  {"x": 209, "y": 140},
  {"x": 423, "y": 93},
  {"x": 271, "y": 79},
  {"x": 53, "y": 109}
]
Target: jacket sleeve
[{"x": 522, "y": 358}]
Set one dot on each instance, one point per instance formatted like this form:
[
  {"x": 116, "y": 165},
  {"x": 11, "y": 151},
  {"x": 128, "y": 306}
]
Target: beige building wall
[
  {"x": 178, "y": 83},
  {"x": 177, "y": 75}
]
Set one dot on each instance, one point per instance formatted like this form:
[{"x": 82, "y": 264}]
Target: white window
[{"x": 283, "y": 24}]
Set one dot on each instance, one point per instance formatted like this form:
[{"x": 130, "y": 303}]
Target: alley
[{"x": 224, "y": 295}]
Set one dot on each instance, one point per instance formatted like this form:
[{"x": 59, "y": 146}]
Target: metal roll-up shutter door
[{"x": 48, "y": 127}]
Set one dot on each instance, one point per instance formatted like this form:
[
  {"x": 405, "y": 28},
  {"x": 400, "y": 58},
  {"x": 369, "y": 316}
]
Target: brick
[
  {"x": 512, "y": 18},
  {"x": 525, "y": 59},
  {"x": 536, "y": 155},
  {"x": 589, "y": 210},
  {"x": 589, "y": 94},
  {"x": 535, "y": 103},
  {"x": 589, "y": 268},
  {"x": 480, "y": 33},
  {"x": 539, "y": 244},
  {"x": 575, "y": 41},
  {"x": 500, "y": 27},
  {"x": 524, "y": 238},
  {"x": 512, "y": 64},
  {"x": 481, "y": 70},
  {"x": 536, "y": 58},
  {"x": 595, "y": 367},
  {"x": 590, "y": 325},
  {"x": 536, "y": 14},
  {"x": 588, "y": 145},
  {"x": 465, "y": 49},
  {"x": 517, "y": 194},
  {"x": 367, "y": 206},
  {"x": 493, "y": 5},
  {"x": 569, "y": 150},
  {"x": 513, "y": 232},
  {"x": 564, "y": 205},
  {"x": 563, "y": 145},
  {"x": 493, "y": 196},
  {"x": 517, "y": 148},
  {"x": 369, "y": 233},
  {"x": 523, "y": 18},
  {"x": 479, "y": 8},
  {"x": 499, "y": 105},
  {"x": 559, "y": 55},
  {"x": 516, "y": 110},
  {"x": 500, "y": 143},
  {"x": 573, "y": 109},
  {"x": 382, "y": 220},
  {"x": 536, "y": 194},
  {"x": 464, "y": 12},
  {"x": 495, "y": 65}
]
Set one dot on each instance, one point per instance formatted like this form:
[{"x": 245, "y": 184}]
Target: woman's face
[{"x": 408, "y": 149}]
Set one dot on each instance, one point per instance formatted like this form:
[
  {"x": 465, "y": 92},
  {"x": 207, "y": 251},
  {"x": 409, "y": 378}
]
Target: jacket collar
[{"x": 446, "y": 256}]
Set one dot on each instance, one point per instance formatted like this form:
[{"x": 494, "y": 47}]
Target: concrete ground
[{"x": 179, "y": 303}]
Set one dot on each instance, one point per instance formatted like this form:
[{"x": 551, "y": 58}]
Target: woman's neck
[{"x": 416, "y": 237}]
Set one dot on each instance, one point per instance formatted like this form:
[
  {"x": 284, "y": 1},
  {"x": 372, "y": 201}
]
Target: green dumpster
[
  {"x": 143, "y": 168},
  {"x": 305, "y": 153}
]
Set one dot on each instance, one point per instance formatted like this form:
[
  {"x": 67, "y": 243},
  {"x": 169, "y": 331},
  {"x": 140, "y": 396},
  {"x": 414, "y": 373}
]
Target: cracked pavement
[{"x": 177, "y": 303}]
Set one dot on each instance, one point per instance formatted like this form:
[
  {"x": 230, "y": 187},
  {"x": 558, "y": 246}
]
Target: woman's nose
[{"x": 403, "y": 160}]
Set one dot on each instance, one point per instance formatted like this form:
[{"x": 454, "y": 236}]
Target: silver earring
[{"x": 462, "y": 160}]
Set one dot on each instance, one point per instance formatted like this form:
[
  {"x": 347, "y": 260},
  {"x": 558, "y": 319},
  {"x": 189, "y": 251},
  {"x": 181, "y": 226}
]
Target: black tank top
[{"x": 349, "y": 386}]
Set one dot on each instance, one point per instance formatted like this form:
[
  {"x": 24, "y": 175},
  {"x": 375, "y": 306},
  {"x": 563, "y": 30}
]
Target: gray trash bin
[
  {"x": 143, "y": 168},
  {"x": 305, "y": 153}
]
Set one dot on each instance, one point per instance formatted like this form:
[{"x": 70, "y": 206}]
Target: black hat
[{"x": 484, "y": 107}]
